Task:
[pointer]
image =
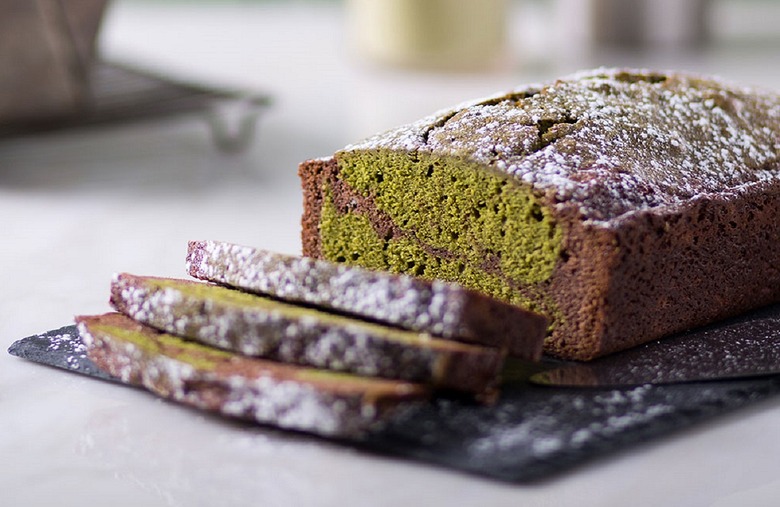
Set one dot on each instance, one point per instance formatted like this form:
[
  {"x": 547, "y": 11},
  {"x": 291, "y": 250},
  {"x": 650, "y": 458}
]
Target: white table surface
[{"x": 77, "y": 207}]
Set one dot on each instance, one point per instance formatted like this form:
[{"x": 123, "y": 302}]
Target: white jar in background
[{"x": 431, "y": 34}]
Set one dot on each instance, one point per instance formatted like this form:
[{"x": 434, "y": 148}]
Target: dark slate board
[
  {"x": 534, "y": 432},
  {"x": 744, "y": 346},
  {"x": 61, "y": 348},
  {"x": 531, "y": 432}
]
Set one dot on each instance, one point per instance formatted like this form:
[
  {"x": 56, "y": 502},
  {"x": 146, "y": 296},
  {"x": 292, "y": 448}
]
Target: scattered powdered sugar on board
[
  {"x": 614, "y": 411},
  {"x": 532, "y": 432},
  {"x": 742, "y": 346},
  {"x": 75, "y": 351},
  {"x": 61, "y": 348}
]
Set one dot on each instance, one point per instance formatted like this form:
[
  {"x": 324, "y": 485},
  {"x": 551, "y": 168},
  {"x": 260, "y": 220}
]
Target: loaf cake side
[
  {"x": 263, "y": 327},
  {"x": 626, "y": 205},
  {"x": 442, "y": 309},
  {"x": 287, "y": 396}
]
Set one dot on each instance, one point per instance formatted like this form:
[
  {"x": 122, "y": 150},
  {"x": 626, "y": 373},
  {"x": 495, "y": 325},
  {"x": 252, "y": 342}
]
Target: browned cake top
[{"x": 612, "y": 141}]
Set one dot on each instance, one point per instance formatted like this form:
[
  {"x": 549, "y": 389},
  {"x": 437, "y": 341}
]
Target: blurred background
[{"x": 444, "y": 49}]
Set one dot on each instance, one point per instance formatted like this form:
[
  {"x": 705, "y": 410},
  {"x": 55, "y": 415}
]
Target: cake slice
[
  {"x": 439, "y": 308},
  {"x": 624, "y": 204},
  {"x": 257, "y": 326},
  {"x": 291, "y": 397}
]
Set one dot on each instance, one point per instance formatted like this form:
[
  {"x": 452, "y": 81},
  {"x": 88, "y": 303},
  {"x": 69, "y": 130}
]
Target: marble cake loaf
[
  {"x": 304, "y": 399},
  {"x": 625, "y": 205}
]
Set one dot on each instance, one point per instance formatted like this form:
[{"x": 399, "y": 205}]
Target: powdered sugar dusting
[
  {"x": 612, "y": 141},
  {"x": 405, "y": 301},
  {"x": 613, "y": 412},
  {"x": 435, "y": 307}
]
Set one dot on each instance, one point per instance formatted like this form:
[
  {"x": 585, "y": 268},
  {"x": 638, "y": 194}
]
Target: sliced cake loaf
[
  {"x": 291, "y": 397},
  {"x": 258, "y": 326},
  {"x": 439, "y": 308},
  {"x": 624, "y": 204}
]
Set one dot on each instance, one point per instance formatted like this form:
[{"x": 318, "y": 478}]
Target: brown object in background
[{"x": 46, "y": 49}]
